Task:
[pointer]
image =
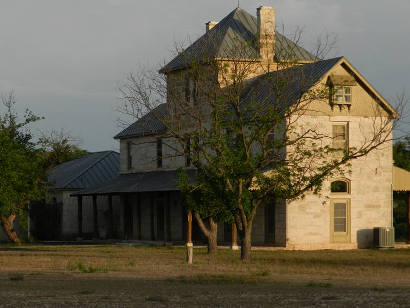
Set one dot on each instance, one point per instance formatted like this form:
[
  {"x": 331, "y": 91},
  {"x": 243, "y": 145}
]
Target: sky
[{"x": 66, "y": 59}]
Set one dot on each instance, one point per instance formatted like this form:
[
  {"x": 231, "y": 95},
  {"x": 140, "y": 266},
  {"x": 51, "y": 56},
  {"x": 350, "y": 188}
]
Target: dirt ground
[{"x": 126, "y": 276}]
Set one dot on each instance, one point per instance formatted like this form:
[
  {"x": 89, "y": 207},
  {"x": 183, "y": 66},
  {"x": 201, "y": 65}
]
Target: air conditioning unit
[{"x": 383, "y": 237}]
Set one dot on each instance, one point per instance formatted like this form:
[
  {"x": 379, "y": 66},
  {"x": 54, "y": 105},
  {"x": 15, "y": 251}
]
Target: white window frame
[
  {"x": 345, "y": 96},
  {"x": 346, "y": 140}
]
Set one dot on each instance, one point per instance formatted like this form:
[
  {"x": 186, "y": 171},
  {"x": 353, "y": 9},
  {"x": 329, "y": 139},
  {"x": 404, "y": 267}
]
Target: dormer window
[
  {"x": 341, "y": 90},
  {"x": 343, "y": 95}
]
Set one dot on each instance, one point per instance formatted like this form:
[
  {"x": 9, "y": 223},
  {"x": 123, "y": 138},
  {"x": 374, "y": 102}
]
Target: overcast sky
[{"x": 66, "y": 59}]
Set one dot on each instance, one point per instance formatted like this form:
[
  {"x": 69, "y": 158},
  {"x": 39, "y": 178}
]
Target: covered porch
[
  {"x": 149, "y": 209},
  {"x": 401, "y": 183}
]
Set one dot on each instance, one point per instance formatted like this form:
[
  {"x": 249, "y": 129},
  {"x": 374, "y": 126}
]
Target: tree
[
  {"x": 20, "y": 163},
  {"x": 59, "y": 147},
  {"x": 401, "y": 157},
  {"x": 401, "y": 154},
  {"x": 245, "y": 115}
]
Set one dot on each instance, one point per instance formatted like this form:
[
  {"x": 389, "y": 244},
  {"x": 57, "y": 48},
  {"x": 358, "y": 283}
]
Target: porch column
[
  {"x": 80, "y": 215},
  {"x": 167, "y": 219},
  {"x": 139, "y": 215},
  {"x": 408, "y": 217},
  {"x": 95, "y": 216},
  {"x": 111, "y": 214},
  {"x": 152, "y": 217},
  {"x": 189, "y": 245},
  {"x": 234, "y": 238}
]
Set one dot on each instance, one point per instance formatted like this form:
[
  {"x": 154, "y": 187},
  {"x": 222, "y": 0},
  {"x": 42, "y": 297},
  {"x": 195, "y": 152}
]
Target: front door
[{"x": 340, "y": 220}]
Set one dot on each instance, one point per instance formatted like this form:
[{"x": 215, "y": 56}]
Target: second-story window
[
  {"x": 191, "y": 90},
  {"x": 188, "y": 153},
  {"x": 159, "y": 153},
  {"x": 129, "y": 155},
  {"x": 340, "y": 136}
]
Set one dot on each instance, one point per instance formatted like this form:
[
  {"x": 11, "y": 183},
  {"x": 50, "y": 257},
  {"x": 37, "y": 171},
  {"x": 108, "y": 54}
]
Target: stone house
[
  {"x": 147, "y": 186},
  {"x": 60, "y": 217}
]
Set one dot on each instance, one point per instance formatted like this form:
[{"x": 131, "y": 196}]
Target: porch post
[
  {"x": 80, "y": 215},
  {"x": 408, "y": 217},
  {"x": 111, "y": 213},
  {"x": 95, "y": 216},
  {"x": 189, "y": 245},
  {"x": 234, "y": 238},
  {"x": 139, "y": 214},
  {"x": 152, "y": 217},
  {"x": 167, "y": 219}
]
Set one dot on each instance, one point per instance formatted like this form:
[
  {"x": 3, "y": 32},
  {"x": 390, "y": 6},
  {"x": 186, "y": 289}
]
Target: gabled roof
[
  {"x": 147, "y": 125},
  {"x": 86, "y": 171},
  {"x": 237, "y": 31},
  {"x": 292, "y": 83},
  {"x": 297, "y": 80}
]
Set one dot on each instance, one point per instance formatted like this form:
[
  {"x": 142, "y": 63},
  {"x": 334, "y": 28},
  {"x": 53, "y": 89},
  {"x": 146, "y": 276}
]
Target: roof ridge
[{"x": 86, "y": 169}]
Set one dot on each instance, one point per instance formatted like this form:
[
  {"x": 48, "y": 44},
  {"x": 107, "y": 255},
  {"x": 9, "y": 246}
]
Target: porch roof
[
  {"x": 163, "y": 180},
  {"x": 401, "y": 179}
]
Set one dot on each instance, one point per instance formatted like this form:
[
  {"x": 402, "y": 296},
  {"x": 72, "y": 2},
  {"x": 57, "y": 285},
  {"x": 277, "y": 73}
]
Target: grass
[
  {"x": 16, "y": 277},
  {"x": 83, "y": 268},
  {"x": 315, "y": 284},
  {"x": 168, "y": 263},
  {"x": 158, "y": 276}
]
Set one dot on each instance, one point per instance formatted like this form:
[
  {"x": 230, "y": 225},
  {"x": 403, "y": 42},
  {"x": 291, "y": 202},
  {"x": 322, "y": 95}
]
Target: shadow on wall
[{"x": 365, "y": 238}]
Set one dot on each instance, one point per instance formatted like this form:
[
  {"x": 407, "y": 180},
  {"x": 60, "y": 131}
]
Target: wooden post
[
  {"x": 234, "y": 245},
  {"x": 111, "y": 213},
  {"x": 189, "y": 245},
  {"x": 139, "y": 214},
  {"x": 168, "y": 237},
  {"x": 152, "y": 217},
  {"x": 95, "y": 216},
  {"x": 408, "y": 217},
  {"x": 80, "y": 215}
]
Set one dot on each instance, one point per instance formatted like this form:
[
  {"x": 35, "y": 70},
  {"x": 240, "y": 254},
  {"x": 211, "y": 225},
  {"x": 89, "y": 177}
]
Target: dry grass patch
[{"x": 167, "y": 263}]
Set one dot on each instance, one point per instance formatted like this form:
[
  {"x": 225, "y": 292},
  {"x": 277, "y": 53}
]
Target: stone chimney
[
  {"x": 210, "y": 25},
  {"x": 266, "y": 32}
]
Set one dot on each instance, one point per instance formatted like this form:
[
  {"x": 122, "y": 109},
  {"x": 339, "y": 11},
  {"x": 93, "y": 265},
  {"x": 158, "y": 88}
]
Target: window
[
  {"x": 191, "y": 90},
  {"x": 129, "y": 155},
  {"x": 340, "y": 221},
  {"x": 340, "y": 186},
  {"x": 340, "y": 136},
  {"x": 342, "y": 95},
  {"x": 188, "y": 153},
  {"x": 159, "y": 153},
  {"x": 339, "y": 217}
]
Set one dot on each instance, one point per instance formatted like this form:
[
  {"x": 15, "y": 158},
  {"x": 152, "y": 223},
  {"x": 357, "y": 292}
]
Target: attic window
[
  {"x": 341, "y": 89},
  {"x": 342, "y": 95}
]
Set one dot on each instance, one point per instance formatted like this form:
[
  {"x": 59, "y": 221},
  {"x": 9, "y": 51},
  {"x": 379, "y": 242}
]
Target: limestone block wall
[
  {"x": 308, "y": 220},
  {"x": 144, "y": 154}
]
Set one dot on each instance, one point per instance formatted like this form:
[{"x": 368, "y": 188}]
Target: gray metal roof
[
  {"x": 162, "y": 180},
  {"x": 147, "y": 125},
  {"x": 87, "y": 171},
  {"x": 296, "y": 81},
  {"x": 288, "y": 85},
  {"x": 235, "y": 37}
]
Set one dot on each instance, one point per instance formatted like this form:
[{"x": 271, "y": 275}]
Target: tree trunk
[
  {"x": 210, "y": 233},
  {"x": 213, "y": 236},
  {"x": 7, "y": 223},
  {"x": 246, "y": 243}
]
